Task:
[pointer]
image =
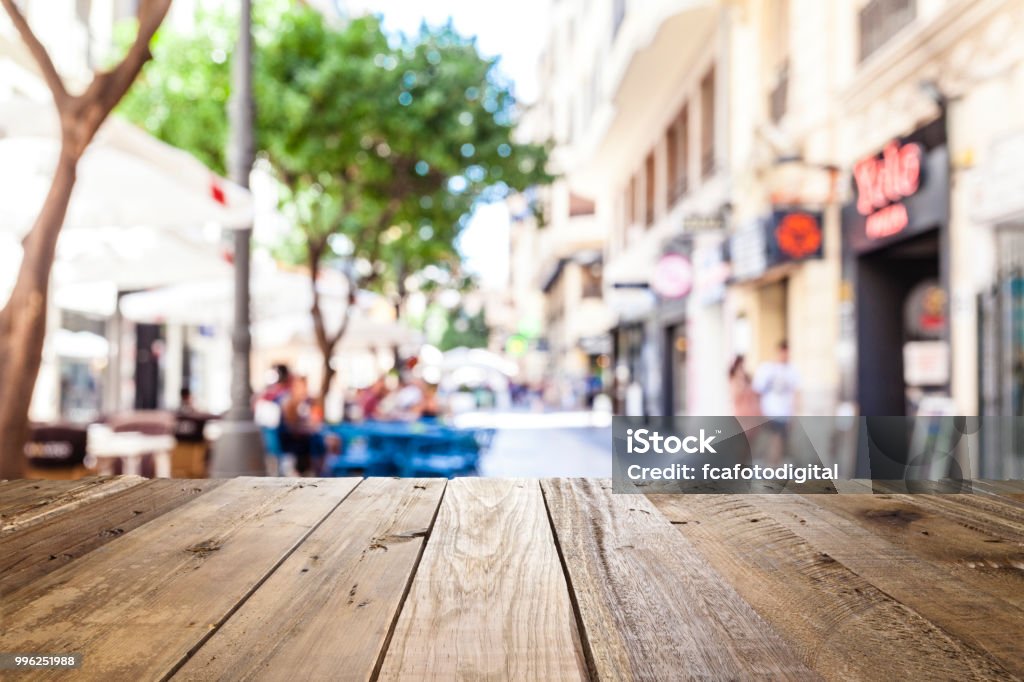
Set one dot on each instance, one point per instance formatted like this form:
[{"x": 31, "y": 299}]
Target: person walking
[
  {"x": 745, "y": 401},
  {"x": 778, "y": 386}
]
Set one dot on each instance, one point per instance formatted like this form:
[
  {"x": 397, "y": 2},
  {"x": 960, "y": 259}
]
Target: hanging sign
[{"x": 673, "y": 276}]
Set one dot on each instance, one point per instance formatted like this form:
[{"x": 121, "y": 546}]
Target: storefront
[
  {"x": 996, "y": 200},
  {"x": 896, "y": 258},
  {"x": 764, "y": 254}
]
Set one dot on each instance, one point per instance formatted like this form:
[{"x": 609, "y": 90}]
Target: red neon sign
[
  {"x": 798, "y": 235},
  {"x": 882, "y": 182}
]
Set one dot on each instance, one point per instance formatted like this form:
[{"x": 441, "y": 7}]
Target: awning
[{"x": 126, "y": 178}]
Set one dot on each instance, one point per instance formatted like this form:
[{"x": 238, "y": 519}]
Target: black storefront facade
[{"x": 896, "y": 262}]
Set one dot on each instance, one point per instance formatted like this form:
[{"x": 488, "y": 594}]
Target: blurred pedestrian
[
  {"x": 745, "y": 401},
  {"x": 369, "y": 398},
  {"x": 778, "y": 385},
  {"x": 301, "y": 423}
]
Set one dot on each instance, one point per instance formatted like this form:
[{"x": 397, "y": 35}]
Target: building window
[
  {"x": 707, "y": 124},
  {"x": 679, "y": 156},
  {"x": 880, "y": 20},
  {"x": 618, "y": 16},
  {"x": 649, "y": 190},
  {"x": 671, "y": 146},
  {"x": 632, "y": 215}
]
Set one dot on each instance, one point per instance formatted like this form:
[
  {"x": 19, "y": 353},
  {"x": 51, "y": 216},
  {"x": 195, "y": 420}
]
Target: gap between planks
[
  {"x": 649, "y": 606},
  {"x": 839, "y": 622},
  {"x": 329, "y": 608}
]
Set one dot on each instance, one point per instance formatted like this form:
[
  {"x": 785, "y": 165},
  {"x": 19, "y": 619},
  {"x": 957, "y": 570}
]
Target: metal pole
[{"x": 239, "y": 450}]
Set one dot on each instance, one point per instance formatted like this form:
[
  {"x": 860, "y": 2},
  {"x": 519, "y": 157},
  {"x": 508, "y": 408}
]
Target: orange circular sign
[{"x": 798, "y": 235}]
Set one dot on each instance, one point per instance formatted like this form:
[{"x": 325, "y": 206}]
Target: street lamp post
[{"x": 239, "y": 450}]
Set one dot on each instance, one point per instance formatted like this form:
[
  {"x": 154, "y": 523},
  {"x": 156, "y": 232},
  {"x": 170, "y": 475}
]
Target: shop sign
[
  {"x": 926, "y": 312},
  {"x": 901, "y": 191},
  {"x": 997, "y": 187},
  {"x": 711, "y": 272},
  {"x": 926, "y": 363},
  {"x": 673, "y": 276},
  {"x": 796, "y": 235},
  {"x": 748, "y": 251},
  {"x": 785, "y": 236},
  {"x": 882, "y": 183},
  {"x": 703, "y": 223}
]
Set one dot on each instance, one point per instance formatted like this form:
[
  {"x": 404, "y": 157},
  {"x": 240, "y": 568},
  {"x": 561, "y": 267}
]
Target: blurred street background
[{"x": 480, "y": 230}]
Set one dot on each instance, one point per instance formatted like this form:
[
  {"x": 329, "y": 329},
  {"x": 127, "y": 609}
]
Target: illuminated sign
[
  {"x": 798, "y": 235},
  {"x": 882, "y": 183},
  {"x": 899, "y": 192}
]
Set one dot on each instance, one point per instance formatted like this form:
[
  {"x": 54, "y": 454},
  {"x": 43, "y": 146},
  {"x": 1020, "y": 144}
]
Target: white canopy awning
[
  {"x": 126, "y": 178},
  {"x": 281, "y": 303}
]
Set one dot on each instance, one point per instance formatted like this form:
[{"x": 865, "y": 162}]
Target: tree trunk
[
  {"x": 23, "y": 320},
  {"x": 327, "y": 342}
]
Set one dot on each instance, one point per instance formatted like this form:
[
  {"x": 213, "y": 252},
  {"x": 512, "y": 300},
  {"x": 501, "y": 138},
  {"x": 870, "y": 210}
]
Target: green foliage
[
  {"x": 383, "y": 145},
  {"x": 464, "y": 329},
  {"x": 182, "y": 94}
]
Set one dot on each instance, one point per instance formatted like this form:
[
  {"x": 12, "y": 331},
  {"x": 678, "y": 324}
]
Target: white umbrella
[
  {"x": 281, "y": 303},
  {"x": 126, "y": 178},
  {"x": 211, "y": 300},
  {"x": 79, "y": 345},
  {"x": 479, "y": 358}
]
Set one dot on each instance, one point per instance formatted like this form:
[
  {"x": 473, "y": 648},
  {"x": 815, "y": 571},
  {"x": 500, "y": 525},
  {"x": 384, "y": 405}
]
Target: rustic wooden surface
[{"x": 482, "y": 579}]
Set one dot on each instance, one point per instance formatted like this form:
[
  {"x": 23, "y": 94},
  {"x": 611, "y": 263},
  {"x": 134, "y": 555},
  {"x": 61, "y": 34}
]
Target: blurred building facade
[{"x": 841, "y": 175}]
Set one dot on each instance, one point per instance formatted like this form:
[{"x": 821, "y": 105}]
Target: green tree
[
  {"x": 80, "y": 112},
  {"x": 465, "y": 329},
  {"x": 383, "y": 145}
]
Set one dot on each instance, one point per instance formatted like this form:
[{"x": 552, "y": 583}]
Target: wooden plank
[
  {"x": 41, "y": 548},
  {"x": 489, "y": 600},
  {"x": 838, "y": 622},
  {"x": 25, "y": 492},
  {"x": 1010, "y": 494},
  {"x": 984, "y": 621},
  {"x": 983, "y": 512},
  {"x": 651, "y": 607},
  {"x": 977, "y": 558},
  {"x": 136, "y": 607},
  {"x": 327, "y": 611},
  {"x": 1009, "y": 487},
  {"x": 40, "y": 500}
]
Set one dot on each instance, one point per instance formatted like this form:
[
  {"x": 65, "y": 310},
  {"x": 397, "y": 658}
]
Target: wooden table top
[{"x": 489, "y": 579}]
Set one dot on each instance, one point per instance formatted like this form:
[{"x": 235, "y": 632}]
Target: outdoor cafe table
[{"x": 489, "y": 579}]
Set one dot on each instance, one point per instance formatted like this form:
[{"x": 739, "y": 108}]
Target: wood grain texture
[
  {"x": 976, "y": 557},
  {"x": 489, "y": 600},
  {"x": 1013, "y": 494},
  {"x": 325, "y": 614},
  {"x": 41, "y": 548},
  {"x": 983, "y": 512},
  {"x": 136, "y": 607},
  {"x": 651, "y": 607},
  {"x": 984, "y": 621},
  {"x": 838, "y": 622},
  {"x": 34, "y": 501}
]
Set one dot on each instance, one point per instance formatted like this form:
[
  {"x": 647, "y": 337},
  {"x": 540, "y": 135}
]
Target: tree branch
[
  {"x": 39, "y": 53},
  {"x": 108, "y": 87}
]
